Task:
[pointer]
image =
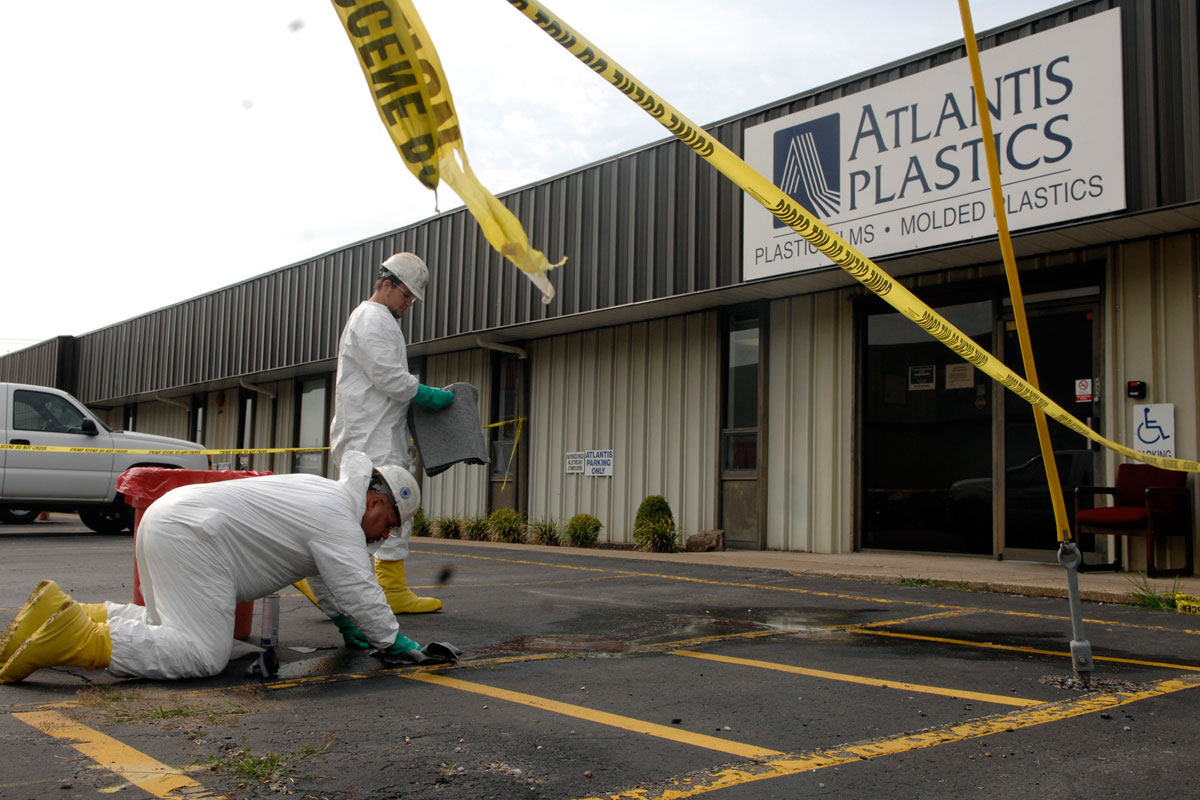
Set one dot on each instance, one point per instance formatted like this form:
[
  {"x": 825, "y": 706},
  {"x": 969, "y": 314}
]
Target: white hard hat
[
  {"x": 411, "y": 270},
  {"x": 405, "y": 492}
]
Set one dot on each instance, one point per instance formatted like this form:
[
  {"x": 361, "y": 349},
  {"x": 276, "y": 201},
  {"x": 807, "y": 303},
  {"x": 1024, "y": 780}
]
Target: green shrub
[
  {"x": 654, "y": 526},
  {"x": 545, "y": 531},
  {"x": 583, "y": 530},
  {"x": 421, "y": 526},
  {"x": 656, "y": 535},
  {"x": 475, "y": 529},
  {"x": 653, "y": 507},
  {"x": 449, "y": 528},
  {"x": 506, "y": 525}
]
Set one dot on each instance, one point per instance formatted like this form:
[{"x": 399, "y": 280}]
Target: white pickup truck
[{"x": 32, "y": 481}]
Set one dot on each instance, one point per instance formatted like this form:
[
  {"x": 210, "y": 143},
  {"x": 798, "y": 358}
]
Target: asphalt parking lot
[{"x": 587, "y": 677}]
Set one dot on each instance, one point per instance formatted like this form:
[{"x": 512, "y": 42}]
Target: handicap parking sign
[{"x": 1154, "y": 429}]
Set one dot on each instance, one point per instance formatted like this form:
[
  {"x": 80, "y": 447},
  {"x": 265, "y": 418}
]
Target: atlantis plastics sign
[{"x": 902, "y": 166}]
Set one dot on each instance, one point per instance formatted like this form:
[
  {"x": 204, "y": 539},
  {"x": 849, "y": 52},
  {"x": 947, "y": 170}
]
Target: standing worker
[
  {"x": 374, "y": 388},
  {"x": 204, "y": 548}
]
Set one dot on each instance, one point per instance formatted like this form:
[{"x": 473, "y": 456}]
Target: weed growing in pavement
[
  {"x": 263, "y": 769},
  {"x": 1146, "y": 596},
  {"x": 917, "y": 582}
]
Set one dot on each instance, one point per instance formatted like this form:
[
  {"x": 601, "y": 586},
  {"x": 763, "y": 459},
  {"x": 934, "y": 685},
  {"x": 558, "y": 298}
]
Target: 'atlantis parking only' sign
[{"x": 902, "y": 166}]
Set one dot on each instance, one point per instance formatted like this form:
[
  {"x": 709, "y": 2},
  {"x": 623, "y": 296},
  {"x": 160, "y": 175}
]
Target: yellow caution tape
[
  {"x": 413, "y": 98},
  {"x": 819, "y": 235},
  {"x": 238, "y": 451}
]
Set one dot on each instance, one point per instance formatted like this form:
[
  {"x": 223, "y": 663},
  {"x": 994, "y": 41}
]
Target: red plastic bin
[{"x": 141, "y": 486}]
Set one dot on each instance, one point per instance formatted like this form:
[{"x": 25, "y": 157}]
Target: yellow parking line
[
  {"x": 1019, "y": 649},
  {"x": 859, "y": 679},
  {"x": 883, "y": 623},
  {"x": 600, "y": 717},
  {"x": 134, "y": 766},
  {"x": 691, "y": 786}
]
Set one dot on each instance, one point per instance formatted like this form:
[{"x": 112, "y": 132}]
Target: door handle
[{"x": 18, "y": 441}]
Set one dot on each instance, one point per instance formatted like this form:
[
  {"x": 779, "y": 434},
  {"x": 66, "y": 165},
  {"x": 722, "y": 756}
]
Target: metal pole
[{"x": 1081, "y": 649}]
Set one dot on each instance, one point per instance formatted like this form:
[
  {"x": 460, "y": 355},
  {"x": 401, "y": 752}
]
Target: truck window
[{"x": 39, "y": 411}]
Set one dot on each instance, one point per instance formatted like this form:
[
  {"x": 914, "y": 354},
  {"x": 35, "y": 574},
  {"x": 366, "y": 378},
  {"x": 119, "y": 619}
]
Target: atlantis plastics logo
[{"x": 808, "y": 165}]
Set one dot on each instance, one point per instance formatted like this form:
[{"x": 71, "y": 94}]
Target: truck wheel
[
  {"x": 108, "y": 519},
  {"x": 17, "y": 516}
]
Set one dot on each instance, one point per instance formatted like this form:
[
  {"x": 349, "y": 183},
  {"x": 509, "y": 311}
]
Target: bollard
[{"x": 1081, "y": 649}]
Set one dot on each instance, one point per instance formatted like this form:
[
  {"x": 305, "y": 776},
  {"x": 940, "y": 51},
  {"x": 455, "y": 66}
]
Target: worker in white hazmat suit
[
  {"x": 202, "y": 549},
  {"x": 374, "y": 388}
]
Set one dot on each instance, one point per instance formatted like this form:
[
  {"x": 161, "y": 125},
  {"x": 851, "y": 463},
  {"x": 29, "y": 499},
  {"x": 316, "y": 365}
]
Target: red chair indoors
[{"x": 1147, "y": 501}]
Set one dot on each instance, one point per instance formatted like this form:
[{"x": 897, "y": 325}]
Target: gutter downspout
[{"x": 503, "y": 348}]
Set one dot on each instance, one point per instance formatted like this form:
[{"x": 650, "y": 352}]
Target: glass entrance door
[
  {"x": 926, "y": 437},
  {"x": 1064, "y": 340}
]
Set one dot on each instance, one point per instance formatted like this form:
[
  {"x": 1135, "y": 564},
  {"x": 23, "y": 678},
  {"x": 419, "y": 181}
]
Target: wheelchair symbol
[{"x": 1148, "y": 426}]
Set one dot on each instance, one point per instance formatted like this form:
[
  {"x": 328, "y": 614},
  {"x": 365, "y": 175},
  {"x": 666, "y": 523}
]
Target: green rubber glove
[
  {"x": 401, "y": 646},
  {"x": 351, "y": 635},
  {"x": 431, "y": 398}
]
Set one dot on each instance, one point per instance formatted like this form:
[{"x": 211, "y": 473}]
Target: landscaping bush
[
  {"x": 654, "y": 526},
  {"x": 475, "y": 529},
  {"x": 656, "y": 535},
  {"x": 506, "y": 525},
  {"x": 583, "y": 530},
  {"x": 653, "y": 507},
  {"x": 449, "y": 528},
  {"x": 545, "y": 531},
  {"x": 421, "y": 526}
]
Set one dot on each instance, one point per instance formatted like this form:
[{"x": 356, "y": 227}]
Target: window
[
  {"x": 741, "y": 394},
  {"x": 246, "y": 410},
  {"x": 312, "y": 425},
  {"x": 39, "y": 411},
  {"x": 506, "y": 398},
  {"x": 196, "y": 419}
]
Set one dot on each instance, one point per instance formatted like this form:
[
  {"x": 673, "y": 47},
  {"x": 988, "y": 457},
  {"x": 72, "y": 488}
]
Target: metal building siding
[
  {"x": 37, "y": 365},
  {"x": 1153, "y": 335},
  {"x": 460, "y": 491},
  {"x": 648, "y": 392},
  {"x": 162, "y": 419},
  {"x": 810, "y": 472}
]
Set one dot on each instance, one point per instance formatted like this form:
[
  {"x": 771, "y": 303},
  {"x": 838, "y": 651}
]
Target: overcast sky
[{"x": 155, "y": 151}]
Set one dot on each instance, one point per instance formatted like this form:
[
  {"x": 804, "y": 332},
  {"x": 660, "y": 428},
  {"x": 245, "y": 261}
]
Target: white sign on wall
[
  {"x": 1154, "y": 429},
  {"x": 599, "y": 463},
  {"x": 575, "y": 462},
  {"x": 902, "y": 166}
]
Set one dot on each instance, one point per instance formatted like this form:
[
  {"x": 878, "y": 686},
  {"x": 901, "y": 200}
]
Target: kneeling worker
[{"x": 202, "y": 549}]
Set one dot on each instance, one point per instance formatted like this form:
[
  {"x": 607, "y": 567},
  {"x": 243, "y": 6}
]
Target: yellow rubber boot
[
  {"x": 43, "y": 601},
  {"x": 67, "y": 639},
  {"x": 402, "y": 600},
  {"x": 306, "y": 590},
  {"x": 97, "y": 612}
]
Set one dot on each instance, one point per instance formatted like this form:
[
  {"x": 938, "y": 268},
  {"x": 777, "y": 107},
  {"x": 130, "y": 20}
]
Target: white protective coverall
[
  {"x": 204, "y": 548},
  {"x": 374, "y": 388}
]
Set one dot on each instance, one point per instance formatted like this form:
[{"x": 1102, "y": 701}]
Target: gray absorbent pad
[{"x": 450, "y": 436}]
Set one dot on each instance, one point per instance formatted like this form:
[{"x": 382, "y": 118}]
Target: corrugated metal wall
[
  {"x": 162, "y": 419},
  {"x": 1153, "y": 304},
  {"x": 811, "y": 472},
  {"x": 650, "y": 392},
  {"x": 49, "y": 363},
  {"x": 461, "y": 490}
]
